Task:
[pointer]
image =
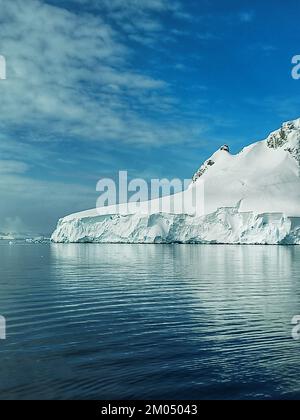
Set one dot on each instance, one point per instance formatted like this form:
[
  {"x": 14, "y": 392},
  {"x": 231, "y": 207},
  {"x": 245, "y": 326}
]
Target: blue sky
[{"x": 149, "y": 86}]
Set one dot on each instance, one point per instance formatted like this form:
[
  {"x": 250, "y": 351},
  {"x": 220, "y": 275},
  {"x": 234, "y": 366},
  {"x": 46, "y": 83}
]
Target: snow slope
[{"x": 249, "y": 198}]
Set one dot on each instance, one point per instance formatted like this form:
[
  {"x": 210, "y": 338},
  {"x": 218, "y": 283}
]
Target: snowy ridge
[
  {"x": 250, "y": 198},
  {"x": 207, "y": 164}
]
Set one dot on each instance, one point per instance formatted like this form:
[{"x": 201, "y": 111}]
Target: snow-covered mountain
[{"x": 249, "y": 198}]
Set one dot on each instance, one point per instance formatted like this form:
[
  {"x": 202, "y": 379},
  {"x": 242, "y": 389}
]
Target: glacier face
[
  {"x": 225, "y": 226},
  {"x": 250, "y": 198}
]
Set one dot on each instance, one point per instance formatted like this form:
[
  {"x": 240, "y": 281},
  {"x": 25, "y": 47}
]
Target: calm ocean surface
[{"x": 149, "y": 322}]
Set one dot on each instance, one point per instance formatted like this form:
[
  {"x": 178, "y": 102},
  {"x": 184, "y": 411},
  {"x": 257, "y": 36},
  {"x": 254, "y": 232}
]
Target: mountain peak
[
  {"x": 225, "y": 148},
  {"x": 288, "y": 133},
  {"x": 220, "y": 154},
  {"x": 287, "y": 138}
]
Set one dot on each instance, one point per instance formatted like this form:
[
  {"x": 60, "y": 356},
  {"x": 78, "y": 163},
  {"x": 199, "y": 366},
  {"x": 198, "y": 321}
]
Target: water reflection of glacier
[{"x": 253, "y": 281}]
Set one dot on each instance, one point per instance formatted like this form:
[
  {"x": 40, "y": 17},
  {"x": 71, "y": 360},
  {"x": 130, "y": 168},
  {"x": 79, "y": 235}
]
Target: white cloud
[
  {"x": 134, "y": 10},
  {"x": 247, "y": 16},
  {"x": 70, "y": 74},
  {"x": 284, "y": 108},
  {"x": 12, "y": 167}
]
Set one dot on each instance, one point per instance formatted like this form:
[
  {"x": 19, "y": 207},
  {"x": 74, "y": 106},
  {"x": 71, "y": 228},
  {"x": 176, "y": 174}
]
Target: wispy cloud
[
  {"x": 284, "y": 108},
  {"x": 246, "y": 16},
  {"x": 207, "y": 36},
  {"x": 263, "y": 48},
  {"x": 72, "y": 74},
  {"x": 12, "y": 166}
]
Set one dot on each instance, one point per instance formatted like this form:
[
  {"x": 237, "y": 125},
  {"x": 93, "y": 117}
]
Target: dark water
[{"x": 149, "y": 322}]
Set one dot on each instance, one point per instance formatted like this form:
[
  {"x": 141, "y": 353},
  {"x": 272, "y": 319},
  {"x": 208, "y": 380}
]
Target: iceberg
[{"x": 252, "y": 197}]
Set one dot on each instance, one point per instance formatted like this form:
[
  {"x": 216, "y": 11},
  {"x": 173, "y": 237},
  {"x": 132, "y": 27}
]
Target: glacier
[{"x": 252, "y": 197}]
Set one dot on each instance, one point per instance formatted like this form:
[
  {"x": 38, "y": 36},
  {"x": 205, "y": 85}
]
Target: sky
[{"x": 153, "y": 87}]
